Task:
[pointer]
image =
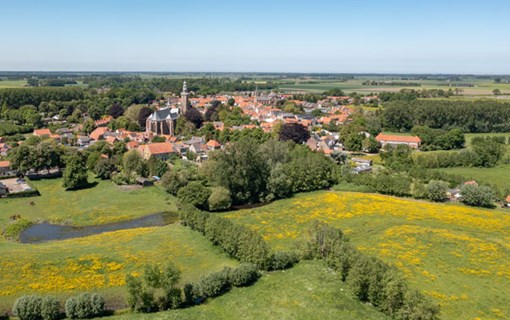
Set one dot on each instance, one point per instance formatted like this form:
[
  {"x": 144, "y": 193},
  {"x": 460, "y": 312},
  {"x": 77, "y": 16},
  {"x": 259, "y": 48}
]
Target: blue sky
[{"x": 391, "y": 36}]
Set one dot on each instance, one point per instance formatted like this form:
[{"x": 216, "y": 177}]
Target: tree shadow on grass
[{"x": 89, "y": 185}]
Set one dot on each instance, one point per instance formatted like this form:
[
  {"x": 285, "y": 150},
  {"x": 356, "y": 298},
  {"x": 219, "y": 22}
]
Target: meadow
[
  {"x": 481, "y": 87},
  {"x": 457, "y": 255},
  {"x": 7, "y": 84},
  {"x": 307, "y": 291},
  {"x": 100, "y": 263},
  {"x": 100, "y": 204},
  {"x": 498, "y": 176}
]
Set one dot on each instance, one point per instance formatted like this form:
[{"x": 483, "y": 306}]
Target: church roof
[{"x": 164, "y": 114}]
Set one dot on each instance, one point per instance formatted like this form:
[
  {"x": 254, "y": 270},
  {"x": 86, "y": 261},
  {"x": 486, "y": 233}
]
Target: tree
[
  {"x": 133, "y": 163},
  {"x": 353, "y": 141},
  {"x": 75, "y": 173},
  {"x": 194, "y": 116},
  {"x": 317, "y": 113},
  {"x": 370, "y": 145},
  {"x": 242, "y": 170},
  {"x": 477, "y": 196},
  {"x": 144, "y": 113},
  {"x": 104, "y": 169},
  {"x": 295, "y": 132},
  {"x": 195, "y": 193},
  {"x": 28, "y": 308},
  {"x": 116, "y": 110},
  {"x": 219, "y": 199},
  {"x": 436, "y": 190},
  {"x": 489, "y": 150},
  {"x": 496, "y": 92},
  {"x": 157, "y": 167}
]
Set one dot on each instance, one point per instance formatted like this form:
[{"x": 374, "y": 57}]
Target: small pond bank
[{"x": 43, "y": 232}]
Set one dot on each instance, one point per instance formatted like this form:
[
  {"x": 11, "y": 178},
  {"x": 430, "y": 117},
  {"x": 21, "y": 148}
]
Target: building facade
[{"x": 164, "y": 120}]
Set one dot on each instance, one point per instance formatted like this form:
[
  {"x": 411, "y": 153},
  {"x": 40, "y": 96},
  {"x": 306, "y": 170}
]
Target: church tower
[{"x": 184, "y": 98}]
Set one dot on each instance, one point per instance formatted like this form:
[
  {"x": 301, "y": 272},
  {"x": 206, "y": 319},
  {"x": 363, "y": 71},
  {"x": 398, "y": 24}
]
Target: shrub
[
  {"x": 283, "y": 260},
  {"x": 195, "y": 193},
  {"x": 28, "y": 308},
  {"x": 436, "y": 190},
  {"x": 214, "y": 284},
  {"x": 477, "y": 196},
  {"x": 50, "y": 308},
  {"x": 85, "y": 306},
  {"x": 243, "y": 275}
]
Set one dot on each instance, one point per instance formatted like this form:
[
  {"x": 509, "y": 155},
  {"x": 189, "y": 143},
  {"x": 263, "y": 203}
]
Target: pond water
[{"x": 42, "y": 232}]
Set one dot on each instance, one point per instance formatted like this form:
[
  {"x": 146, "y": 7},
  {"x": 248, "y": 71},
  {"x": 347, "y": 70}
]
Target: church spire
[{"x": 184, "y": 98}]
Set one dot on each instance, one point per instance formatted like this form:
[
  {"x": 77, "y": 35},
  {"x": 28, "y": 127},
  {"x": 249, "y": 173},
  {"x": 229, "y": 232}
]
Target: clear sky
[{"x": 370, "y": 36}]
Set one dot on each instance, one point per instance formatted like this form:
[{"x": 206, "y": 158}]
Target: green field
[
  {"x": 4, "y": 84},
  {"x": 457, "y": 255},
  {"x": 481, "y": 88},
  {"x": 307, "y": 291},
  {"x": 100, "y": 263},
  {"x": 498, "y": 176},
  {"x": 103, "y": 203}
]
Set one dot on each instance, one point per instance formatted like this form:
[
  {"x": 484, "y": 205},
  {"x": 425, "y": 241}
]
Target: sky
[{"x": 342, "y": 36}]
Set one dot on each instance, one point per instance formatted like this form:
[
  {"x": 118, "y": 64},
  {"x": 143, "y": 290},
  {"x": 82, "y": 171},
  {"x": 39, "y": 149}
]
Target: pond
[{"x": 42, "y": 232}]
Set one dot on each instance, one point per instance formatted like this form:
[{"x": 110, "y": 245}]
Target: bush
[
  {"x": 85, "y": 306},
  {"x": 195, "y": 193},
  {"x": 244, "y": 275},
  {"x": 477, "y": 196},
  {"x": 28, "y": 308},
  {"x": 50, "y": 308},
  {"x": 219, "y": 199},
  {"x": 436, "y": 190},
  {"x": 283, "y": 260},
  {"x": 214, "y": 284}
]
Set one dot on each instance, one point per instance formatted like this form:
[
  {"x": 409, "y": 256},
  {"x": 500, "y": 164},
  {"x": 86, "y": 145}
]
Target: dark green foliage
[
  {"x": 242, "y": 170},
  {"x": 469, "y": 116},
  {"x": 156, "y": 290},
  {"x": 28, "y": 308},
  {"x": 244, "y": 275},
  {"x": 214, "y": 284},
  {"x": 477, "y": 196},
  {"x": 85, "y": 306},
  {"x": 75, "y": 173},
  {"x": 194, "y": 116},
  {"x": 238, "y": 241},
  {"x": 282, "y": 260},
  {"x": 397, "y": 158},
  {"x": 34, "y": 96},
  {"x": 386, "y": 182},
  {"x": 195, "y": 193},
  {"x": 438, "y": 139},
  {"x": 417, "y": 307},
  {"x": 489, "y": 150}
]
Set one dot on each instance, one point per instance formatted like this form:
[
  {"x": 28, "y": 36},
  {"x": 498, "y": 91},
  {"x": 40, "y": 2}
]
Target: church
[{"x": 164, "y": 120}]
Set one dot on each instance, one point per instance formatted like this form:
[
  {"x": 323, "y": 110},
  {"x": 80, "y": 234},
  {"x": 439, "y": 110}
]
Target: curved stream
[{"x": 42, "y": 232}]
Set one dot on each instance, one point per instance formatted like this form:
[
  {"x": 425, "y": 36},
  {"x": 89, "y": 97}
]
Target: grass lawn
[
  {"x": 100, "y": 263},
  {"x": 498, "y": 176},
  {"x": 307, "y": 291},
  {"x": 100, "y": 204},
  {"x": 457, "y": 255}
]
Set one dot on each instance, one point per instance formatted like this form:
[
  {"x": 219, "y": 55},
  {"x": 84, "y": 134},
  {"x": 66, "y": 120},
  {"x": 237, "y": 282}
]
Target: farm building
[{"x": 388, "y": 139}]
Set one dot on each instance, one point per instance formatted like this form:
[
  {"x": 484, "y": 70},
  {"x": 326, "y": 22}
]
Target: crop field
[
  {"x": 307, "y": 291},
  {"x": 100, "y": 263},
  {"x": 481, "y": 87},
  {"x": 457, "y": 255},
  {"x": 100, "y": 204},
  {"x": 5, "y": 84}
]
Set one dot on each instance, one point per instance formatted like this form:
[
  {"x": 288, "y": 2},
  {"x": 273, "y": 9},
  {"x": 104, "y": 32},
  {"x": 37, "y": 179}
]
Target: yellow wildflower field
[
  {"x": 100, "y": 263},
  {"x": 459, "y": 256}
]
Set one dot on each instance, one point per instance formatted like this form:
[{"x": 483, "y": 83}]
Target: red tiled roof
[
  {"x": 160, "y": 148},
  {"x": 395, "y": 138},
  {"x": 5, "y": 164},
  {"x": 132, "y": 145},
  {"x": 508, "y": 198},
  {"x": 213, "y": 144},
  {"x": 98, "y": 133},
  {"x": 42, "y": 132}
]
